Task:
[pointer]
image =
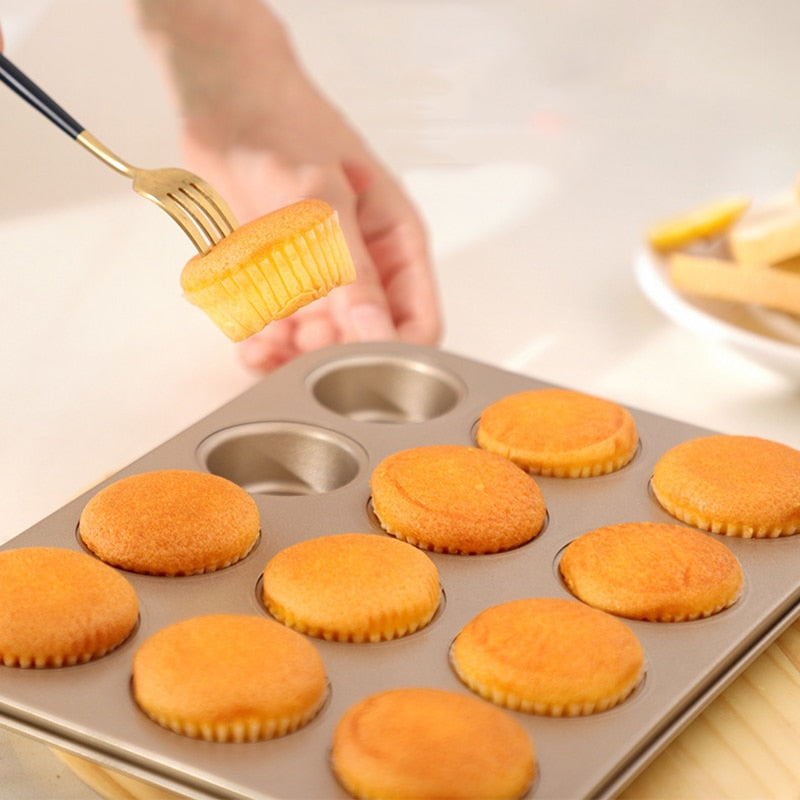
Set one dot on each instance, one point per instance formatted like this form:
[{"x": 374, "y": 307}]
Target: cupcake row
[
  {"x": 358, "y": 587},
  {"x": 566, "y": 434},
  {"x": 722, "y": 483}
]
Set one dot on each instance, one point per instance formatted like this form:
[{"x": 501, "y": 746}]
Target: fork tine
[
  {"x": 197, "y": 204},
  {"x": 210, "y": 202},
  {"x": 202, "y": 214},
  {"x": 196, "y": 229}
]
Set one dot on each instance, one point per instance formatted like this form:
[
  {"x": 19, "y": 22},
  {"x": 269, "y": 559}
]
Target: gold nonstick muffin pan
[{"x": 303, "y": 442}]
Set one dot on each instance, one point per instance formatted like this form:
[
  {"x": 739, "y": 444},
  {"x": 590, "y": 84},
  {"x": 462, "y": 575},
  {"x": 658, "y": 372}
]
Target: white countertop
[{"x": 539, "y": 139}]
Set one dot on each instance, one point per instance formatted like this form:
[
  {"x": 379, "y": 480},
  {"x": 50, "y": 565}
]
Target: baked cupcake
[
  {"x": 352, "y": 587},
  {"x": 422, "y": 743},
  {"x": 735, "y": 485},
  {"x": 559, "y": 432},
  {"x": 61, "y": 607},
  {"x": 548, "y": 656},
  {"x": 652, "y": 571},
  {"x": 268, "y": 268},
  {"x": 170, "y": 522},
  {"x": 229, "y": 678},
  {"x": 456, "y": 499}
]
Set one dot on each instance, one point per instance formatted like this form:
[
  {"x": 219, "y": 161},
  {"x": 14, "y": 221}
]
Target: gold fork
[{"x": 204, "y": 216}]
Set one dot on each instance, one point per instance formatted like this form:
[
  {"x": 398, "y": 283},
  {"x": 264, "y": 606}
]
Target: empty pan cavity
[
  {"x": 381, "y": 389},
  {"x": 282, "y": 458}
]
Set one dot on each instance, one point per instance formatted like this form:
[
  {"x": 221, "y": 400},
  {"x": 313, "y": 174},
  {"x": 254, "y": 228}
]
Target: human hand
[
  {"x": 275, "y": 140},
  {"x": 394, "y": 296}
]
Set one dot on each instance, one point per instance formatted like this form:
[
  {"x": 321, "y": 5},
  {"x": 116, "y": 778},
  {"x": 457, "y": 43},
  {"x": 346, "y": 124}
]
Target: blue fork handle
[{"x": 20, "y": 83}]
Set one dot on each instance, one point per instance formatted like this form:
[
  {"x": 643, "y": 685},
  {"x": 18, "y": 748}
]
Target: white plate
[{"x": 770, "y": 338}]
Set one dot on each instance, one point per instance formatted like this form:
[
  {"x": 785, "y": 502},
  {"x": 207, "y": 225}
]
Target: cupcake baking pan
[{"x": 303, "y": 442}]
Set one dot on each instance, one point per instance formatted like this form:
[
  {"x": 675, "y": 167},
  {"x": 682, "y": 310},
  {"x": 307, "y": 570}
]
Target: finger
[
  {"x": 314, "y": 329},
  {"x": 415, "y": 303},
  {"x": 271, "y": 347},
  {"x": 360, "y": 313},
  {"x": 360, "y": 310},
  {"x": 401, "y": 256},
  {"x": 397, "y": 242},
  {"x": 359, "y": 175}
]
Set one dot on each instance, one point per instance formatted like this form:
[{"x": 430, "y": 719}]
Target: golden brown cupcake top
[
  {"x": 428, "y": 743},
  {"x": 736, "y": 485},
  {"x": 548, "y": 656},
  {"x": 170, "y": 522},
  {"x": 559, "y": 432},
  {"x": 456, "y": 499},
  {"x": 652, "y": 571},
  {"x": 352, "y": 587},
  {"x": 61, "y": 607},
  {"x": 229, "y": 677},
  {"x": 250, "y": 241}
]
